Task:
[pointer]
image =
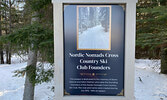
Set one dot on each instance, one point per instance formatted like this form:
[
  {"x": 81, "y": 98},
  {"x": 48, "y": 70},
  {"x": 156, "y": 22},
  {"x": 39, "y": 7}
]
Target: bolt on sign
[{"x": 94, "y": 49}]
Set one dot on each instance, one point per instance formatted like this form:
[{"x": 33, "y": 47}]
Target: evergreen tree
[
  {"x": 36, "y": 40},
  {"x": 152, "y": 28},
  {"x": 10, "y": 19},
  {"x": 105, "y": 18}
]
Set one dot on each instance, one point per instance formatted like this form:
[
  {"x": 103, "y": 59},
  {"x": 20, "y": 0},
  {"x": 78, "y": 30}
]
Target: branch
[{"x": 12, "y": 2}]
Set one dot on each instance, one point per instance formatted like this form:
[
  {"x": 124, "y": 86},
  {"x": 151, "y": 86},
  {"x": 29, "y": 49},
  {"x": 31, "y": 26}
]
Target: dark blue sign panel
[{"x": 94, "y": 37}]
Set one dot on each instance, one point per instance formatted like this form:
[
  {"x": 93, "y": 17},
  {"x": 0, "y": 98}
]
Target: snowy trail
[{"x": 94, "y": 38}]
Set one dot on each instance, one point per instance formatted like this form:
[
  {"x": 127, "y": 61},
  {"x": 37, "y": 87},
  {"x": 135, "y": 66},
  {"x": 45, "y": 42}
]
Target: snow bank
[{"x": 148, "y": 64}]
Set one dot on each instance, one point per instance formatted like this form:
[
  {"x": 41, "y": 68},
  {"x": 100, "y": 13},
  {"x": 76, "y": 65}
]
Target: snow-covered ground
[
  {"x": 149, "y": 84},
  {"x": 94, "y": 38},
  {"x": 11, "y": 88}
]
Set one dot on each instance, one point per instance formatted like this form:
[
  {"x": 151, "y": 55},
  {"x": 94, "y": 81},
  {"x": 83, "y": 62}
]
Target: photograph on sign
[
  {"x": 94, "y": 46},
  {"x": 93, "y": 27}
]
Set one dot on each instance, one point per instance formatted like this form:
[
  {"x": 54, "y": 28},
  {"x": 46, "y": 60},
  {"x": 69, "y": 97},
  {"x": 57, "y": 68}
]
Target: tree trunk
[
  {"x": 32, "y": 61},
  {"x": 2, "y": 59},
  {"x": 1, "y": 46},
  {"x": 7, "y": 55},
  {"x": 6, "y": 32},
  {"x": 10, "y": 30},
  {"x": 29, "y": 86},
  {"x": 164, "y": 60}
]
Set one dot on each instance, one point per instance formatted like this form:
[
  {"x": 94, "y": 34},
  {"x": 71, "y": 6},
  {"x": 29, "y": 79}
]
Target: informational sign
[{"x": 94, "y": 49}]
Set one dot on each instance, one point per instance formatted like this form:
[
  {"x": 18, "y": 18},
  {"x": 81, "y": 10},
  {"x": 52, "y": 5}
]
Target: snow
[
  {"x": 148, "y": 64},
  {"x": 94, "y": 38},
  {"x": 11, "y": 88},
  {"x": 149, "y": 83},
  {"x": 153, "y": 85}
]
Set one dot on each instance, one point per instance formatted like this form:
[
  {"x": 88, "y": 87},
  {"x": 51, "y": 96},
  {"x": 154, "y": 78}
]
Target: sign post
[{"x": 94, "y": 43}]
